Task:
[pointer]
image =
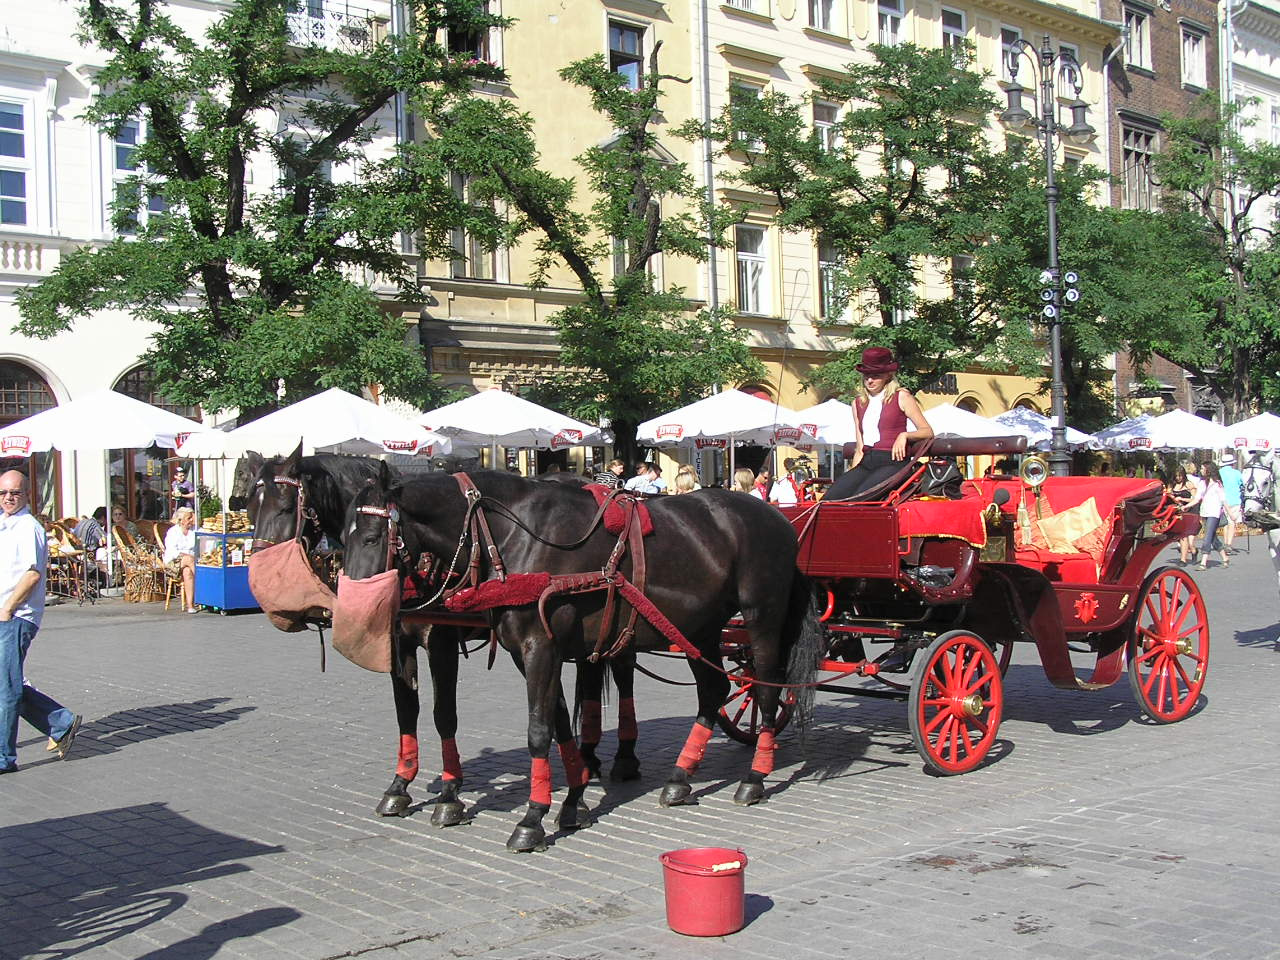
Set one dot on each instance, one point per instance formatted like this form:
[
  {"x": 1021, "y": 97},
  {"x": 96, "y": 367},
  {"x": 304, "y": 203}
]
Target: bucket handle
[{"x": 714, "y": 868}]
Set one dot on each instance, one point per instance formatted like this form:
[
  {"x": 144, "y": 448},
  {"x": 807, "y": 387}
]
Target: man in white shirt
[{"x": 24, "y": 558}]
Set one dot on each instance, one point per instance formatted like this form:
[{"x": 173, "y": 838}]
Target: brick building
[{"x": 1166, "y": 59}]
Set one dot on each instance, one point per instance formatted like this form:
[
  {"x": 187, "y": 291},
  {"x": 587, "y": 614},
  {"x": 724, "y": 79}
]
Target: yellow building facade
[{"x": 484, "y": 326}]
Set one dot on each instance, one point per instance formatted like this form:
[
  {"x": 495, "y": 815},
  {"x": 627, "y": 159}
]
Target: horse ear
[
  {"x": 384, "y": 475},
  {"x": 293, "y": 462},
  {"x": 253, "y": 462}
]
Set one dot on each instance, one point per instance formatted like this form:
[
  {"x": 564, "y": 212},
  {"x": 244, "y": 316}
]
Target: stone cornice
[{"x": 1058, "y": 20}]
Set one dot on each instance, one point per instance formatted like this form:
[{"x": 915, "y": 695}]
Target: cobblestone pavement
[{"x": 219, "y": 803}]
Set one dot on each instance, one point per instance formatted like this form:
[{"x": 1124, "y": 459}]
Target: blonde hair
[
  {"x": 744, "y": 480},
  {"x": 685, "y": 482},
  {"x": 687, "y": 470},
  {"x": 182, "y": 512},
  {"x": 890, "y": 388}
]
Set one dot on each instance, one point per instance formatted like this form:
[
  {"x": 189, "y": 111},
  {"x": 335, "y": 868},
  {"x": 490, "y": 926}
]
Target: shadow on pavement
[
  {"x": 1262, "y": 638},
  {"x": 72, "y": 884},
  {"x": 117, "y": 730}
]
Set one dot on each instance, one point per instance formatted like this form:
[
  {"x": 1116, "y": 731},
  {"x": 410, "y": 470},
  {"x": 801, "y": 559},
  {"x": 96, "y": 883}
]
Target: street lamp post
[{"x": 1050, "y": 68}]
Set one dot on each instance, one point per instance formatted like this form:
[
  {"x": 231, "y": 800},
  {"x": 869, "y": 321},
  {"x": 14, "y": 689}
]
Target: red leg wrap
[
  {"x": 627, "y": 718},
  {"x": 540, "y": 788},
  {"x": 452, "y": 765},
  {"x": 763, "y": 761},
  {"x": 408, "y": 765},
  {"x": 590, "y": 722},
  {"x": 694, "y": 748},
  {"x": 575, "y": 770}
]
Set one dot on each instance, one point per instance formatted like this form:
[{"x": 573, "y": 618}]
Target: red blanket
[
  {"x": 960, "y": 519},
  {"x": 615, "y": 515}
]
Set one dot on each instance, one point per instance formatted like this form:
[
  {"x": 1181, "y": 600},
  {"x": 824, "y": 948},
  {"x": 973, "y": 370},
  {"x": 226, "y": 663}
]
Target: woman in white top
[
  {"x": 180, "y": 554},
  {"x": 1212, "y": 502}
]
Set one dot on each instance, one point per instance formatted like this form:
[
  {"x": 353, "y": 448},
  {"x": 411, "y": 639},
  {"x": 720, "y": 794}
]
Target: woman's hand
[{"x": 900, "y": 447}]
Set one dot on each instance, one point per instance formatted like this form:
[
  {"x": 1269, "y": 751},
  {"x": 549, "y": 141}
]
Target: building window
[
  {"x": 1138, "y": 190},
  {"x": 828, "y": 264},
  {"x": 953, "y": 31},
  {"x": 623, "y": 250},
  {"x": 472, "y": 261},
  {"x": 826, "y": 116},
  {"x": 962, "y": 276},
  {"x": 822, "y": 14},
  {"x": 743, "y": 4},
  {"x": 128, "y": 189},
  {"x": 15, "y": 162},
  {"x": 744, "y": 95},
  {"x": 484, "y": 43},
  {"x": 626, "y": 52},
  {"x": 1137, "y": 38},
  {"x": 23, "y": 393},
  {"x": 890, "y": 22},
  {"x": 754, "y": 295},
  {"x": 1195, "y": 69},
  {"x": 1009, "y": 37},
  {"x": 1275, "y": 124}
]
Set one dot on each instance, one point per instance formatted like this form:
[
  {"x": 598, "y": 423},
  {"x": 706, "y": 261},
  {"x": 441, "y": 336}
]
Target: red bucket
[{"x": 705, "y": 889}]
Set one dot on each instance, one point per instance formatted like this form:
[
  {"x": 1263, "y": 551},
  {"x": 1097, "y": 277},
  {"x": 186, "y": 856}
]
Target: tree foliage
[
  {"x": 632, "y": 349},
  {"x": 1216, "y": 181},
  {"x": 251, "y": 283}
]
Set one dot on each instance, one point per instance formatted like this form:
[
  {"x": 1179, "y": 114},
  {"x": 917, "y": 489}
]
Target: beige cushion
[{"x": 1063, "y": 529}]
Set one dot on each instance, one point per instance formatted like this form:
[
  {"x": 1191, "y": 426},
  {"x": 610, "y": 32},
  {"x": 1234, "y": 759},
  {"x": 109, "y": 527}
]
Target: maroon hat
[{"x": 877, "y": 361}]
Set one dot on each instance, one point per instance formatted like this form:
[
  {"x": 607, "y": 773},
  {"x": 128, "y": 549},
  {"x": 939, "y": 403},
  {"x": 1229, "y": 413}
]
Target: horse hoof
[
  {"x": 748, "y": 794},
  {"x": 448, "y": 814},
  {"x": 394, "y": 805},
  {"x": 575, "y": 818},
  {"x": 527, "y": 840},
  {"x": 674, "y": 794},
  {"x": 625, "y": 768}
]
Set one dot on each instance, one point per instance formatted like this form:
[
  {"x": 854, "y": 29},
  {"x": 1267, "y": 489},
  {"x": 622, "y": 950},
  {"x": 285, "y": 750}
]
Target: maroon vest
[{"x": 893, "y": 420}]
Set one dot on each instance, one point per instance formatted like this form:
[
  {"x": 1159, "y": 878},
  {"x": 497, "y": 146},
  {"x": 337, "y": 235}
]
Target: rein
[{"x": 302, "y": 512}]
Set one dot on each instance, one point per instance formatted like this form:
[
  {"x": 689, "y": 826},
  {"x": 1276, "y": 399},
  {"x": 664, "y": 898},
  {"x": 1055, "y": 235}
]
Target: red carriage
[{"x": 940, "y": 589}]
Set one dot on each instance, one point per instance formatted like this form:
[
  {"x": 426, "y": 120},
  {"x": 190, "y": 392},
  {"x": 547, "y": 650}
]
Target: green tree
[
  {"x": 1213, "y": 172},
  {"x": 250, "y": 284},
  {"x": 632, "y": 350},
  {"x": 902, "y": 180}
]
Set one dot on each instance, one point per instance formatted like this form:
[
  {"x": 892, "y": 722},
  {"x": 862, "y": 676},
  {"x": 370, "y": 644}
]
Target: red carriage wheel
[
  {"x": 740, "y": 716},
  {"x": 1169, "y": 648},
  {"x": 956, "y": 703}
]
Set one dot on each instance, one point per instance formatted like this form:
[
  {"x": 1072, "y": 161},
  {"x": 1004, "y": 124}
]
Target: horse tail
[{"x": 803, "y": 640}]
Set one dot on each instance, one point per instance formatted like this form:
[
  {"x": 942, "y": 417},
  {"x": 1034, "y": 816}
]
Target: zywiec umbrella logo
[
  {"x": 794, "y": 435},
  {"x": 180, "y": 440},
  {"x": 566, "y": 438},
  {"x": 409, "y": 447},
  {"x": 1259, "y": 444},
  {"x": 669, "y": 431},
  {"x": 16, "y": 444},
  {"x": 713, "y": 443},
  {"x": 1140, "y": 443}
]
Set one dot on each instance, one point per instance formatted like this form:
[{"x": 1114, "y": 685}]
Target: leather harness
[{"x": 475, "y": 527}]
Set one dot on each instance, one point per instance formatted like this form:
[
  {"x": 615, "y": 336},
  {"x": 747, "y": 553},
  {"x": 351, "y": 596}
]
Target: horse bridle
[
  {"x": 396, "y": 550},
  {"x": 302, "y": 513}
]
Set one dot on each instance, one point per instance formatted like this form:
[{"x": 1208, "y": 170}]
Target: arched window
[
  {"x": 139, "y": 383},
  {"x": 968, "y": 403},
  {"x": 24, "y": 393},
  {"x": 756, "y": 390},
  {"x": 141, "y": 480}
]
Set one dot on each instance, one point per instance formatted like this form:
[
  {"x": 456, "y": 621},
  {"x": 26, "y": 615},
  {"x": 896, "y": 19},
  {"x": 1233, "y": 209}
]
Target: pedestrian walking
[
  {"x": 1233, "y": 486},
  {"x": 24, "y": 560},
  {"x": 1213, "y": 503}
]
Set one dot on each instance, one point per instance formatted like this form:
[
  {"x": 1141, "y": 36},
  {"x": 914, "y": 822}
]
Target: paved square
[{"x": 219, "y": 803}]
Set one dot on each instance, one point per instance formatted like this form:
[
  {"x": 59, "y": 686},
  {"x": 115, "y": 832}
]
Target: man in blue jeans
[{"x": 24, "y": 557}]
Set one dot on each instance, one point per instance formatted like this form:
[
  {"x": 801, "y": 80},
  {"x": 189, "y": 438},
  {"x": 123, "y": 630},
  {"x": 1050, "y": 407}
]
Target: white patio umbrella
[
  {"x": 833, "y": 420},
  {"x": 495, "y": 418},
  {"x": 102, "y": 420},
  {"x": 1175, "y": 430},
  {"x": 1038, "y": 429},
  {"x": 730, "y": 416},
  {"x": 1256, "y": 433},
  {"x": 948, "y": 420},
  {"x": 332, "y": 422}
]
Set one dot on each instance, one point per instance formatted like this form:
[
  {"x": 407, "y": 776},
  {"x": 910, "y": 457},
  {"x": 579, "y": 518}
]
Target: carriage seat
[{"x": 1077, "y": 520}]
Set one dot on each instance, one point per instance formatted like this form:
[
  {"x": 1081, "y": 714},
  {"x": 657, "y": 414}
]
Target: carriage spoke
[
  {"x": 1151, "y": 677},
  {"x": 1182, "y": 672},
  {"x": 982, "y": 681},
  {"x": 1163, "y": 691},
  {"x": 1152, "y": 651},
  {"x": 938, "y": 718}
]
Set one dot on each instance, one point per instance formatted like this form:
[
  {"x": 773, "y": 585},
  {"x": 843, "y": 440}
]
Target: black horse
[
  {"x": 328, "y": 484},
  {"x": 714, "y": 554}
]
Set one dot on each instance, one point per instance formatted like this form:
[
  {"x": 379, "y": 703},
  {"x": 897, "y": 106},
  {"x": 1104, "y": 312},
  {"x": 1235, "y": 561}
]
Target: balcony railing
[
  {"x": 28, "y": 257},
  {"x": 334, "y": 25}
]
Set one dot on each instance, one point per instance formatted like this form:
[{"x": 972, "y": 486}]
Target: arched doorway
[
  {"x": 140, "y": 479},
  {"x": 24, "y": 393}
]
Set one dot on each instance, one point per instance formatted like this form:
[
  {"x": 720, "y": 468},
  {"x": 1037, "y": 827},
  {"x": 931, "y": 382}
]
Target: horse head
[
  {"x": 277, "y": 503},
  {"x": 372, "y": 533}
]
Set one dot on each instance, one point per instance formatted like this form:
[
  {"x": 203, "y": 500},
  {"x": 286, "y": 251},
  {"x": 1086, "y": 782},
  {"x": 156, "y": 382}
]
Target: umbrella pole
[{"x": 111, "y": 527}]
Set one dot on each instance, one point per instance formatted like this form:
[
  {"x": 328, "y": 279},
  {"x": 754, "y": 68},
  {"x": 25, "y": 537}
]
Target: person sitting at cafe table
[{"x": 180, "y": 554}]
